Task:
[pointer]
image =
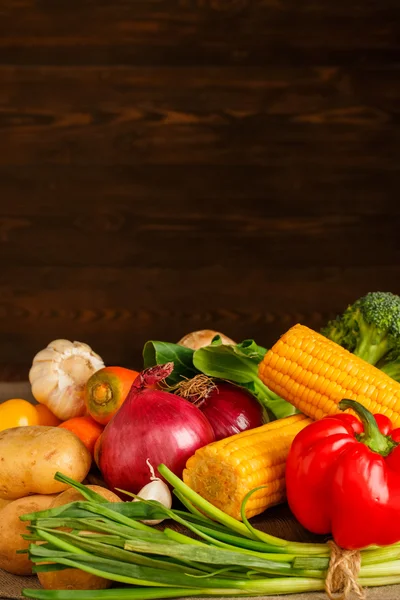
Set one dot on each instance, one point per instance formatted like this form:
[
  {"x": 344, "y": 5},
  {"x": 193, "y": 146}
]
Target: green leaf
[
  {"x": 159, "y": 353},
  {"x": 239, "y": 364},
  {"x": 225, "y": 362},
  {"x": 216, "y": 341},
  {"x": 235, "y": 363},
  {"x": 252, "y": 350}
]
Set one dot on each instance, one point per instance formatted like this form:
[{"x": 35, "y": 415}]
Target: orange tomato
[
  {"x": 46, "y": 417},
  {"x": 17, "y": 413},
  {"x": 86, "y": 429}
]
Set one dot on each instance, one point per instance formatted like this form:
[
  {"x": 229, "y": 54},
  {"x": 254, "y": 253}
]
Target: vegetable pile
[
  {"x": 237, "y": 364},
  {"x": 231, "y": 429},
  {"x": 152, "y": 425}
]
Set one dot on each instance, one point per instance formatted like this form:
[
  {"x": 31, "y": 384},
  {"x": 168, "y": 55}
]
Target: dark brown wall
[{"x": 167, "y": 166}]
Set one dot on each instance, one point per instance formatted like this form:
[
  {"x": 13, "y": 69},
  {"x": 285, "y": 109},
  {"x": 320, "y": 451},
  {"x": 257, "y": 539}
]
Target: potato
[
  {"x": 72, "y": 495},
  {"x": 11, "y": 530},
  {"x": 75, "y": 579},
  {"x": 4, "y": 503},
  {"x": 30, "y": 456},
  {"x": 72, "y": 579}
]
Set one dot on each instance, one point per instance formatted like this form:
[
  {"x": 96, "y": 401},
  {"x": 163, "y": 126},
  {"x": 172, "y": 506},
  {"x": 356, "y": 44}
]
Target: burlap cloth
[{"x": 277, "y": 522}]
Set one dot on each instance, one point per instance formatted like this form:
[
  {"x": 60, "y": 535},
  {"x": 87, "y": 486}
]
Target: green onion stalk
[{"x": 212, "y": 554}]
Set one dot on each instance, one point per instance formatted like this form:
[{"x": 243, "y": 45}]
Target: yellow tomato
[
  {"x": 46, "y": 417},
  {"x": 17, "y": 413}
]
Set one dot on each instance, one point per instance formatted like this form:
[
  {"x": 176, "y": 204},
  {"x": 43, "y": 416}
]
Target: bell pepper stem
[{"x": 372, "y": 436}]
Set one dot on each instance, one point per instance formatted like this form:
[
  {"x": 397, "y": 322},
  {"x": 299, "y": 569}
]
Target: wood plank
[
  {"x": 211, "y": 190},
  {"x": 313, "y": 119},
  {"x": 172, "y": 165},
  {"x": 296, "y": 91},
  {"x": 260, "y": 141},
  {"x": 36, "y": 290},
  {"x": 201, "y": 32},
  {"x": 113, "y": 239},
  {"x": 106, "y": 308}
]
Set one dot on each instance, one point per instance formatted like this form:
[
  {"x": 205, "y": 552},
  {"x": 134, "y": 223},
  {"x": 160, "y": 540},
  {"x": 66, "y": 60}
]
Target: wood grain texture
[
  {"x": 179, "y": 116},
  {"x": 108, "y": 309},
  {"x": 192, "y": 32},
  {"x": 172, "y": 165}
]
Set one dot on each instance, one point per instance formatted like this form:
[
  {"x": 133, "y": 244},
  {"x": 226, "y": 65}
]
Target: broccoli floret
[
  {"x": 390, "y": 364},
  {"x": 337, "y": 331},
  {"x": 370, "y": 328}
]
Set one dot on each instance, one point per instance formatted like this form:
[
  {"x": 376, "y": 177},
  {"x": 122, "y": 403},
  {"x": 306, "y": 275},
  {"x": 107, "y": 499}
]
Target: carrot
[
  {"x": 106, "y": 390},
  {"x": 86, "y": 429}
]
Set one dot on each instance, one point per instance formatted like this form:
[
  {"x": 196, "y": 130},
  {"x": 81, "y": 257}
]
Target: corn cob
[
  {"x": 314, "y": 374},
  {"x": 225, "y": 471}
]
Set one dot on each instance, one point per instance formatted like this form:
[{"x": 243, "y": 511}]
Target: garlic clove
[
  {"x": 40, "y": 370},
  {"x": 45, "y": 355},
  {"x": 43, "y": 388},
  {"x": 82, "y": 347},
  {"x": 156, "y": 490},
  {"x": 61, "y": 345},
  {"x": 65, "y": 402}
]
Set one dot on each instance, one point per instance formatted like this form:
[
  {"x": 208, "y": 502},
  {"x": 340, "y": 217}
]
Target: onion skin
[
  {"x": 231, "y": 409},
  {"x": 151, "y": 425}
]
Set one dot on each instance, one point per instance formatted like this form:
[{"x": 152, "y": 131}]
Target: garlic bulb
[
  {"x": 201, "y": 338},
  {"x": 58, "y": 376},
  {"x": 156, "y": 489}
]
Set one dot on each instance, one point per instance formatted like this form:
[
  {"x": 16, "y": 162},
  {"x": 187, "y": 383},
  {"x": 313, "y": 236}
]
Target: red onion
[
  {"x": 154, "y": 426},
  {"x": 229, "y": 408}
]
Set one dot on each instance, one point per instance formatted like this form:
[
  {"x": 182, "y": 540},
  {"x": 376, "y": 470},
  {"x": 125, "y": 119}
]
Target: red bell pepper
[{"x": 343, "y": 477}]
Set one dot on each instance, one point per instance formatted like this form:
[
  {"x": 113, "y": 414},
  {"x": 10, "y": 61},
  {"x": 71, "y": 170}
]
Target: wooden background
[{"x": 172, "y": 165}]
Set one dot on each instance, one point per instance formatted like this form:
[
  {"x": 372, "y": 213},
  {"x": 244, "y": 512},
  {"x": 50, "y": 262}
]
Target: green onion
[
  {"x": 208, "y": 554},
  {"x": 218, "y": 515},
  {"x": 114, "y": 594},
  {"x": 388, "y": 553},
  {"x": 212, "y": 511},
  {"x": 226, "y": 558}
]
